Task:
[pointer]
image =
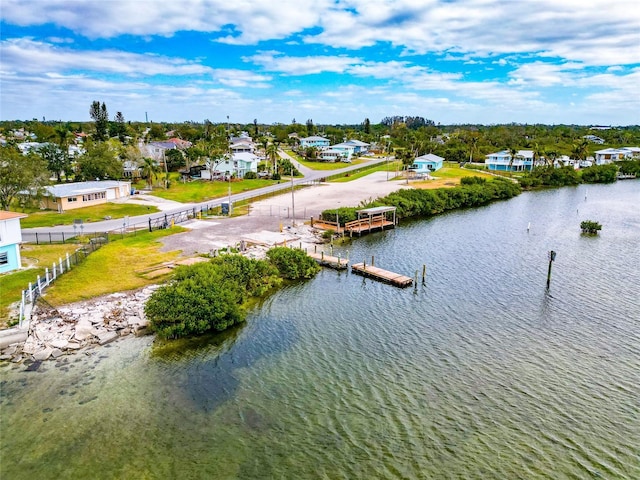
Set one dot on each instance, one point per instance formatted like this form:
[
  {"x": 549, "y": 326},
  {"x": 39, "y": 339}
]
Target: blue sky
[{"x": 333, "y": 61}]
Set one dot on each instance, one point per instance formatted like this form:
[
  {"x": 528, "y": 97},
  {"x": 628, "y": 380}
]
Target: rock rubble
[{"x": 82, "y": 325}]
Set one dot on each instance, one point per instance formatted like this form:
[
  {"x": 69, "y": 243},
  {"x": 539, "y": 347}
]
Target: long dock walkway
[
  {"x": 382, "y": 275},
  {"x": 336, "y": 263}
]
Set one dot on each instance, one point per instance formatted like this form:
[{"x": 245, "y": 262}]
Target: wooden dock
[
  {"x": 382, "y": 275},
  {"x": 336, "y": 263}
]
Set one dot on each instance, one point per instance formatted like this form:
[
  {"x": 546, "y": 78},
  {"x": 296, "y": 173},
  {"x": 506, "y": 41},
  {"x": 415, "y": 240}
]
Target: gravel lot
[{"x": 270, "y": 221}]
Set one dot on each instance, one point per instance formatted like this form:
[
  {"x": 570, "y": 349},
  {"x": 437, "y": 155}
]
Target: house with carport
[
  {"x": 69, "y": 196},
  {"x": 10, "y": 240}
]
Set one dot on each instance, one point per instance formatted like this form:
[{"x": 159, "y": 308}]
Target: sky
[{"x": 331, "y": 61}]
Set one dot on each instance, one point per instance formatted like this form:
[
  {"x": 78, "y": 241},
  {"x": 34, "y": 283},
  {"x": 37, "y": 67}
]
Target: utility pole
[
  {"x": 552, "y": 257},
  {"x": 293, "y": 205}
]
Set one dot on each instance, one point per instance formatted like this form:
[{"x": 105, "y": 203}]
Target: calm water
[{"x": 480, "y": 373}]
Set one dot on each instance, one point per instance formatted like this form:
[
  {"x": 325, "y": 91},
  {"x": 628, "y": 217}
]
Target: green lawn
[
  {"x": 38, "y": 257},
  {"x": 202, "y": 190},
  {"x": 48, "y": 218},
  {"x": 118, "y": 266},
  {"x": 383, "y": 167},
  {"x": 322, "y": 165}
]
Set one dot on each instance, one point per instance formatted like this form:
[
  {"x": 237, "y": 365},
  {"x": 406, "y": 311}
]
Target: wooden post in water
[
  {"x": 415, "y": 282},
  {"x": 424, "y": 272},
  {"x": 373, "y": 261},
  {"x": 552, "y": 257}
]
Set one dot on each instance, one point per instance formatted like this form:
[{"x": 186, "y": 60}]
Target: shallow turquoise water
[{"x": 479, "y": 373}]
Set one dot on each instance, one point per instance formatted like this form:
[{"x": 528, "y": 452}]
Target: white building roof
[
  {"x": 429, "y": 157},
  {"x": 82, "y": 188}
]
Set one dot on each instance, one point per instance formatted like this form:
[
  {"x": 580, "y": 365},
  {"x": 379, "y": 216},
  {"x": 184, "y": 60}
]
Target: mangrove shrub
[
  {"x": 426, "y": 203},
  {"x": 600, "y": 174},
  {"x": 293, "y": 264},
  {"x": 590, "y": 227},
  {"x": 208, "y": 296}
]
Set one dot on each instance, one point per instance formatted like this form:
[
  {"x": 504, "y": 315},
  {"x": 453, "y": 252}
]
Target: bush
[
  {"x": 629, "y": 167},
  {"x": 208, "y": 296},
  {"x": 472, "y": 180},
  {"x": 600, "y": 174},
  {"x": 342, "y": 214},
  {"x": 550, "y": 176},
  {"x": 590, "y": 227},
  {"x": 275, "y": 176},
  {"x": 250, "y": 176},
  {"x": 292, "y": 263}
]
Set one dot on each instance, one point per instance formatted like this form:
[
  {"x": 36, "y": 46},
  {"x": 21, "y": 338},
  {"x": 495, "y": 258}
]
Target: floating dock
[
  {"x": 336, "y": 263},
  {"x": 382, "y": 275}
]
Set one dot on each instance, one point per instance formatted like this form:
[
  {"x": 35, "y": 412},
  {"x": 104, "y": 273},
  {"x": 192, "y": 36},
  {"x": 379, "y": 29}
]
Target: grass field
[
  {"x": 391, "y": 167},
  {"x": 37, "y": 257},
  {"x": 322, "y": 165},
  {"x": 48, "y": 218},
  {"x": 202, "y": 190},
  {"x": 117, "y": 266},
  {"x": 448, "y": 176}
]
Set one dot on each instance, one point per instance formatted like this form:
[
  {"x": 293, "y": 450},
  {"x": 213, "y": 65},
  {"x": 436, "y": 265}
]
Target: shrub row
[{"x": 426, "y": 203}]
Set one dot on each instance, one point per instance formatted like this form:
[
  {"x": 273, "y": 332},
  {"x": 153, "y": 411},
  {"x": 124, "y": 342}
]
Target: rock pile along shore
[{"x": 79, "y": 326}]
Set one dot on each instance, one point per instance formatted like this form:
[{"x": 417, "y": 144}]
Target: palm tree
[
  {"x": 538, "y": 153},
  {"x": 473, "y": 146},
  {"x": 272, "y": 154},
  {"x": 150, "y": 170},
  {"x": 513, "y": 153},
  {"x": 550, "y": 157}
]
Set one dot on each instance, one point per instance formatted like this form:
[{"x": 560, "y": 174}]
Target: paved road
[{"x": 109, "y": 225}]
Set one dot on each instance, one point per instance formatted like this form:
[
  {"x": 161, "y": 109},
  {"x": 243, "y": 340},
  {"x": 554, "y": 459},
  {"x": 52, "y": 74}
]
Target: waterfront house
[
  {"x": 609, "y": 155},
  {"x": 427, "y": 163},
  {"x": 10, "y": 239},
  {"x": 502, "y": 161},
  {"x": 69, "y": 196}
]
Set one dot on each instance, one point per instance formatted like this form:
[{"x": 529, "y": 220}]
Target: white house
[
  {"x": 69, "y": 196},
  {"x": 314, "y": 141},
  {"x": 609, "y": 155},
  {"x": 501, "y": 161},
  {"x": 10, "y": 239}
]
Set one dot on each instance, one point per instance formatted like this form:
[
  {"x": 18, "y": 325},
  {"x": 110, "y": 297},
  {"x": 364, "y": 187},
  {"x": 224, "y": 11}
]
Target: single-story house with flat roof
[
  {"x": 68, "y": 196},
  {"x": 10, "y": 240},
  {"x": 427, "y": 163}
]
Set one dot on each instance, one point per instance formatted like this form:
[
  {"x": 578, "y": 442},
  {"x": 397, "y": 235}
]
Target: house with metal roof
[
  {"x": 609, "y": 155},
  {"x": 10, "y": 240},
  {"x": 360, "y": 147},
  {"x": 69, "y": 196},
  {"x": 426, "y": 163}
]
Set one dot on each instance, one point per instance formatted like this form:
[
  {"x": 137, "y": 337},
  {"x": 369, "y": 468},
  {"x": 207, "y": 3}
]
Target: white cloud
[
  {"x": 30, "y": 56},
  {"x": 274, "y": 62}
]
